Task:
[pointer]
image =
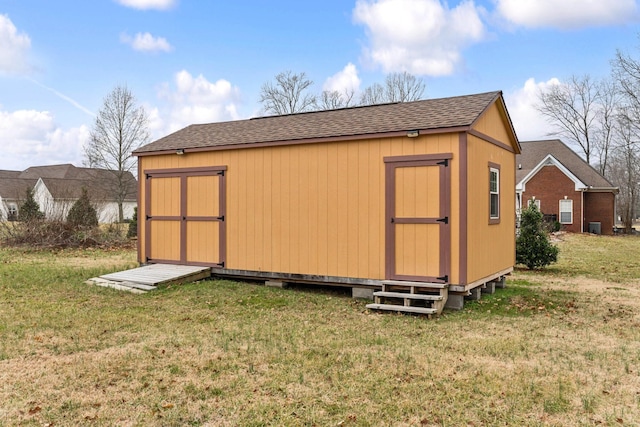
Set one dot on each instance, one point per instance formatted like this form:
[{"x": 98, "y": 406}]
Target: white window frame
[
  {"x": 494, "y": 217},
  {"x": 565, "y": 202}
]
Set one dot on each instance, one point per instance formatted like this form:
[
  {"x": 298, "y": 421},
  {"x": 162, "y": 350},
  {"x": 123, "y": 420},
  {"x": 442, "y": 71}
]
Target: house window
[
  {"x": 494, "y": 193},
  {"x": 566, "y": 211},
  {"x": 13, "y": 212}
]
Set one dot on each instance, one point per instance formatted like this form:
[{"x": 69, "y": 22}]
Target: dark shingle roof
[
  {"x": 52, "y": 171},
  {"x": 63, "y": 180},
  {"x": 9, "y": 174},
  {"x": 429, "y": 114},
  {"x": 15, "y": 188},
  {"x": 98, "y": 189},
  {"x": 533, "y": 152}
]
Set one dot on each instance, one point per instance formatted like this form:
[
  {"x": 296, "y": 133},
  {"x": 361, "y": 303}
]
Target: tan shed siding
[
  {"x": 493, "y": 123},
  {"x": 314, "y": 209},
  {"x": 491, "y": 247}
]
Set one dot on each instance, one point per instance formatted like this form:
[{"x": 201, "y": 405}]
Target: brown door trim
[
  {"x": 183, "y": 174},
  {"x": 444, "y": 220}
]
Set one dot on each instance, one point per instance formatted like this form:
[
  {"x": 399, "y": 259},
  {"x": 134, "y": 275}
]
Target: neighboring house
[
  {"x": 13, "y": 189},
  {"x": 366, "y": 196},
  {"x": 57, "y": 187},
  {"x": 564, "y": 187}
]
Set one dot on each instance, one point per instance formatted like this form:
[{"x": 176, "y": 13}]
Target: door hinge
[
  {"x": 221, "y": 173},
  {"x": 444, "y": 278},
  {"x": 444, "y": 163},
  {"x": 220, "y": 218},
  {"x": 444, "y": 220},
  {"x": 220, "y": 264},
  {"x": 147, "y": 217},
  {"x": 393, "y": 220}
]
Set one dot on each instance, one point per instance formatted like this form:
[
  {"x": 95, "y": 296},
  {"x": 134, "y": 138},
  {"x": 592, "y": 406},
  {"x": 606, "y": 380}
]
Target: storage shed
[{"x": 413, "y": 197}]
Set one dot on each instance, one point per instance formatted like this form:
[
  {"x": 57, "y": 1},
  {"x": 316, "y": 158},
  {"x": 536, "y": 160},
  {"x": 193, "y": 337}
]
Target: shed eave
[{"x": 340, "y": 138}]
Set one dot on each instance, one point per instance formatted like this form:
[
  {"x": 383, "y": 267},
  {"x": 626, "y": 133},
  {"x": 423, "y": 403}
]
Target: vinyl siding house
[
  {"x": 564, "y": 187},
  {"x": 57, "y": 187},
  {"x": 410, "y": 195},
  {"x": 12, "y": 192}
]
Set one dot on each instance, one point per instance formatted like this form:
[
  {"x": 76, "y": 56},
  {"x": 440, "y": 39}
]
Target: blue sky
[{"x": 192, "y": 61}]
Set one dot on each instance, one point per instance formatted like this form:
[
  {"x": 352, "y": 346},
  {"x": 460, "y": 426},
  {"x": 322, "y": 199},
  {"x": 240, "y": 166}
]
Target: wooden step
[
  {"x": 424, "y": 297},
  {"x": 403, "y": 308},
  {"x": 415, "y": 284}
]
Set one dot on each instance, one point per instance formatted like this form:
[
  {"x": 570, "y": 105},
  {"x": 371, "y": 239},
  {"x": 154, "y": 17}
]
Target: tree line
[
  {"x": 601, "y": 118},
  {"x": 291, "y": 93}
]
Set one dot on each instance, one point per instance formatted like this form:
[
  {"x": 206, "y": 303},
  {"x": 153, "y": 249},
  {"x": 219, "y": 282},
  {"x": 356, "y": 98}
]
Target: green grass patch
[
  {"x": 547, "y": 350},
  {"x": 522, "y": 298},
  {"x": 607, "y": 258}
]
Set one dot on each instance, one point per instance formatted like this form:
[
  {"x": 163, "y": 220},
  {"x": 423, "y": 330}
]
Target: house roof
[
  {"x": 98, "y": 190},
  {"x": 51, "y": 171},
  {"x": 62, "y": 180},
  {"x": 430, "y": 114},
  {"x": 14, "y": 188},
  {"x": 534, "y": 152},
  {"x": 9, "y": 174}
]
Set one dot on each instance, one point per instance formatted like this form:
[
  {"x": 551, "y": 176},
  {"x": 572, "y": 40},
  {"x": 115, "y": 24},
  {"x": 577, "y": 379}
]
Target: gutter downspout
[{"x": 582, "y": 210}]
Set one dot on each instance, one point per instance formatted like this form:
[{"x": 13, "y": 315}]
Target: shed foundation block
[
  {"x": 454, "y": 302},
  {"x": 362, "y": 293},
  {"x": 474, "y": 294},
  {"x": 501, "y": 282},
  {"x": 489, "y": 288},
  {"x": 275, "y": 284}
]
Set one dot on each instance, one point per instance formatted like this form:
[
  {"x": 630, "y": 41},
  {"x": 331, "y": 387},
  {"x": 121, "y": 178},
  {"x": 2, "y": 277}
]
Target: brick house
[{"x": 564, "y": 187}]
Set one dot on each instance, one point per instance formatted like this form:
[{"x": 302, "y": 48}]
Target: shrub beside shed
[{"x": 403, "y": 195}]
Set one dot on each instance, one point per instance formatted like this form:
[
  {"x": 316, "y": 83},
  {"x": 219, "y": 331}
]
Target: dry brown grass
[{"x": 559, "y": 347}]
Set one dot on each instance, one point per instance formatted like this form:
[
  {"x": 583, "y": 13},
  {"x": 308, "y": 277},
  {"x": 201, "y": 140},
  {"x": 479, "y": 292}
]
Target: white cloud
[
  {"x": 197, "y": 100},
  {"x": 567, "y": 13},
  {"x": 529, "y": 124},
  {"x": 149, "y": 4},
  {"x": 145, "y": 42},
  {"x": 14, "y": 47},
  {"x": 423, "y": 37},
  {"x": 31, "y": 138},
  {"x": 345, "y": 80}
]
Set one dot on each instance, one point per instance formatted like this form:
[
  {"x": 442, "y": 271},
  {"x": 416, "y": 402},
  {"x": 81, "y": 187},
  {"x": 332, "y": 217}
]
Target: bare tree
[
  {"x": 372, "y": 95},
  {"x": 609, "y": 100},
  {"x": 625, "y": 170},
  {"x": 572, "y": 109},
  {"x": 332, "y": 99},
  {"x": 288, "y": 94},
  {"x": 626, "y": 71},
  {"x": 403, "y": 87},
  {"x": 120, "y": 128},
  {"x": 398, "y": 87}
]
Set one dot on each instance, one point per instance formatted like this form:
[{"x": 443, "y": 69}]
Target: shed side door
[
  {"x": 185, "y": 216},
  {"x": 162, "y": 218},
  {"x": 418, "y": 231}
]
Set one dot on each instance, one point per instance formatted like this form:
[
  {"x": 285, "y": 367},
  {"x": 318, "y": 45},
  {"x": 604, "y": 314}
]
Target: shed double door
[
  {"x": 185, "y": 216},
  {"x": 418, "y": 218}
]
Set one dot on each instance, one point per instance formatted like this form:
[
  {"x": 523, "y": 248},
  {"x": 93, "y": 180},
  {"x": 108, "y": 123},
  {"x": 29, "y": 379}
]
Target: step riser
[
  {"x": 411, "y": 297},
  {"x": 422, "y": 297},
  {"x": 401, "y": 308}
]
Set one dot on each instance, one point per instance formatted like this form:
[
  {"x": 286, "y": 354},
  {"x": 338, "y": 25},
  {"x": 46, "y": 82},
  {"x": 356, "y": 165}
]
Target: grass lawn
[{"x": 556, "y": 348}]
